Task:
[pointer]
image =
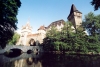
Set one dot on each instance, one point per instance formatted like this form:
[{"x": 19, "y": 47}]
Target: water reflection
[
  {"x": 29, "y": 62},
  {"x": 13, "y": 53},
  {"x": 51, "y": 60}
]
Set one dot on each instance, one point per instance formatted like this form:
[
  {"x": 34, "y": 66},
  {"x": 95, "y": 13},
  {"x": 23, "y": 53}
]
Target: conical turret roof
[{"x": 73, "y": 9}]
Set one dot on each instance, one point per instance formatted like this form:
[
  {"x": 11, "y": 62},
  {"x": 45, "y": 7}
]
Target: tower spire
[
  {"x": 28, "y": 22},
  {"x": 73, "y": 9},
  {"x": 75, "y": 16}
]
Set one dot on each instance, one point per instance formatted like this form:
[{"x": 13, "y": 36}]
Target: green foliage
[
  {"x": 15, "y": 39},
  {"x": 69, "y": 39},
  {"x": 8, "y": 19},
  {"x": 92, "y": 23},
  {"x": 58, "y": 40},
  {"x": 96, "y": 4}
]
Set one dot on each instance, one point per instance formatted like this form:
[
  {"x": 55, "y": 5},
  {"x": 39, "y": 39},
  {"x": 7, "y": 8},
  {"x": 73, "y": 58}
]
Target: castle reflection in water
[{"x": 50, "y": 60}]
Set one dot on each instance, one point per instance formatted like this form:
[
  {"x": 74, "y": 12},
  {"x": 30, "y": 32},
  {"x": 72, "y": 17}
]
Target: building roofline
[{"x": 73, "y": 9}]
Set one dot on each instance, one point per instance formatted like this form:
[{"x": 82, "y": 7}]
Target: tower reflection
[{"x": 29, "y": 62}]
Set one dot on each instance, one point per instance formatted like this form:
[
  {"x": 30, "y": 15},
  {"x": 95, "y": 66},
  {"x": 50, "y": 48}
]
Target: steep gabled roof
[
  {"x": 42, "y": 28},
  {"x": 55, "y": 23},
  {"x": 73, "y": 9}
]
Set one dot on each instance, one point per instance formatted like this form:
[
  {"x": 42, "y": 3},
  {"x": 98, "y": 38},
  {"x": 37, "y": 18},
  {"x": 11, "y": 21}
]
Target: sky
[{"x": 44, "y": 12}]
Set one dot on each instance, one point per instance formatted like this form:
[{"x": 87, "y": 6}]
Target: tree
[
  {"x": 69, "y": 39},
  {"x": 92, "y": 24},
  {"x": 96, "y": 4},
  {"x": 48, "y": 42},
  {"x": 14, "y": 39},
  {"x": 58, "y": 40},
  {"x": 8, "y": 19},
  {"x": 80, "y": 39}
]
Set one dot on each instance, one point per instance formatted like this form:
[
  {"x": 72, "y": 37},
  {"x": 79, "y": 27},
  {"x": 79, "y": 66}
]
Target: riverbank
[{"x": 72, "y": 53}]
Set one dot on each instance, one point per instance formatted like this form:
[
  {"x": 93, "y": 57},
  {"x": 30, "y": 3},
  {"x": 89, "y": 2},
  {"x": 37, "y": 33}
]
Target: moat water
[{"x": 49, "y": 60}]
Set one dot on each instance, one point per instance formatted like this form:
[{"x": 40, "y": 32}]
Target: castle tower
[
  {"x": 75, "y": 17},
  {"x": 26, "y": 30},
  {"x": 42, "y": 32}
]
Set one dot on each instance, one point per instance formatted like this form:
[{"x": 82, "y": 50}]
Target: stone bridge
[
  {"x": 23, "y": 48},
  {"x": 5, "y": 59}
]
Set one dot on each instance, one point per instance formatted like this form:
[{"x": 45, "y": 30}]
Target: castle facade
[{"x": 75, "y": 17}]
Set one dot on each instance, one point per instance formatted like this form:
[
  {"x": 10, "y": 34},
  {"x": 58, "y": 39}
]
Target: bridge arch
[
  {"x": 23, "y": 48},
  {"x": 32, "y": 42}
]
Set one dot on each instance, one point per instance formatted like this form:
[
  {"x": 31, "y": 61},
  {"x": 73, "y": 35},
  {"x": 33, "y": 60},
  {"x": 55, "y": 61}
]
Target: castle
[{"x": 75, "y": 17}]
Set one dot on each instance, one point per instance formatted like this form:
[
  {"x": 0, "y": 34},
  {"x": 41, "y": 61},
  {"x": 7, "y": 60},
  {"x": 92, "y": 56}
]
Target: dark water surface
[{"x": 49, "y": 60}]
